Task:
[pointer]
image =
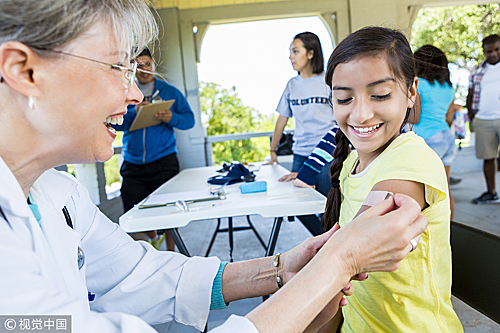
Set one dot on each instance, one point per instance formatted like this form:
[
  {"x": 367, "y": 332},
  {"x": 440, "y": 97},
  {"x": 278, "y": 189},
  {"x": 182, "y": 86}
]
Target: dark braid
[{"x": 332, "y": 209}]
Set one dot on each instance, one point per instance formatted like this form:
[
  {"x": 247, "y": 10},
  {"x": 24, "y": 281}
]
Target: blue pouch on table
[
  {"x": 253, "y": 187},
  {"x": 237, "y": 173}
]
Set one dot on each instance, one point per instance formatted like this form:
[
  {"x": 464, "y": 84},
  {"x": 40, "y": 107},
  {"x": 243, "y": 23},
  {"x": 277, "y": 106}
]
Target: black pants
[{"x": 139, "y": 181}]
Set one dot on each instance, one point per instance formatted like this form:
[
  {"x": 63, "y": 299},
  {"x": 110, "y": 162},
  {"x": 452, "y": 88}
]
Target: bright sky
[{"x": 253, "y": 56}]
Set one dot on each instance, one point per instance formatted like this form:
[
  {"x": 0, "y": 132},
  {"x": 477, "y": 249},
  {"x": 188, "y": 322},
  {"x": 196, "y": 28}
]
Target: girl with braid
[{"x": 372, "y": 77}]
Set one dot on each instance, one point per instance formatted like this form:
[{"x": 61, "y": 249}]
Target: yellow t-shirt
[{"x": 416, "y": 297}]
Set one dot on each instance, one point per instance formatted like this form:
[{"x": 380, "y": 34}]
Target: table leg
[
  {"x": 255, "y": 232},
  {"x": 230, "y": 231},
  {"x": 273, "y": 237},
  {"x": 182, "y": 249},
  {"x": 179, "y": 242},
  {"x": 213, "y": 238}
]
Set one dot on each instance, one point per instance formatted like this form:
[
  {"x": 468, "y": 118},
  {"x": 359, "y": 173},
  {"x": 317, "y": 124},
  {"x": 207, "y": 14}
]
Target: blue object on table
[
  {"x": 253, "y": 187},
  {"x": 237, "y": 173}
]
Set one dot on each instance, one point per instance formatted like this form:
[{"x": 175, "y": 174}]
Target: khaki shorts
[{"x": 487, "y": 138}]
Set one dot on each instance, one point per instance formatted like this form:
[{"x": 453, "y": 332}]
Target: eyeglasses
[
  {"x": 129, "y": 73},
  {"x": 141, "y": 65}
]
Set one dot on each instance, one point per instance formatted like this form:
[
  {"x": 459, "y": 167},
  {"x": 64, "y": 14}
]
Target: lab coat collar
[
  {"x": 56, "y": 191},
  {"x": 53, "y": 241},
  {"x": 11, "y": 194},
  {"x": 53, "y": 190}
]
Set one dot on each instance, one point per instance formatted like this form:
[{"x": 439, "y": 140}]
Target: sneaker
[
  {"x": 455, "y": 181},
  {"x": 485, "y": 198}
]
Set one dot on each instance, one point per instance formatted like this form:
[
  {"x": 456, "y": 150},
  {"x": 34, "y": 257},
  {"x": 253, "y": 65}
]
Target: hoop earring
[{"x": 31, "y": 102}]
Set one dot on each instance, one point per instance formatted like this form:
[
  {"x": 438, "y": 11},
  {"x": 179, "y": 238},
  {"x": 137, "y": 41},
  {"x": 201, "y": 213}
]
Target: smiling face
[
  {"x": 370, "y": 104},
  {"x": 81, "y": 96},
  {"x": 300, "y": 58},
  {"x": 146, "y": 63},
  {"x": 492, "y": 53}
]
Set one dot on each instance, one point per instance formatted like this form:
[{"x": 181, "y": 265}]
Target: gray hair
[{"x": 51, "y": 24}]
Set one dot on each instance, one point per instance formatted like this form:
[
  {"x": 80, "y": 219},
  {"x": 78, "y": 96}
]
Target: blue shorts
[{"x": 443, "y": 143}]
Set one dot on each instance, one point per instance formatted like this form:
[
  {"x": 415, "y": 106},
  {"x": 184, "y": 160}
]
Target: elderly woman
[{"x": 64, "y": 67}]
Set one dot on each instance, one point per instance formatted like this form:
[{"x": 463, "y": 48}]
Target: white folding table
[{"x": 280, "y": 200}]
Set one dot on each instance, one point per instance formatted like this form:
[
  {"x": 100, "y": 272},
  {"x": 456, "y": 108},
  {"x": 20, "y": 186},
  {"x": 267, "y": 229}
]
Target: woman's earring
[{"x": 31, "y": 102}]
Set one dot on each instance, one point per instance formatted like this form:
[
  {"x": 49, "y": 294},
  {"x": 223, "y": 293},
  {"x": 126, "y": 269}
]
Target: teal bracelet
[{"x": 217, "y": 299}]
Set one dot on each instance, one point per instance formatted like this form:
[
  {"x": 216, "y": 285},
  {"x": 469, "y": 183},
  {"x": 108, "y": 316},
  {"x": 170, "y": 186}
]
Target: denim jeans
[
  {"x": 443, "y": 143},
  {"x": 314, "y": 223}
]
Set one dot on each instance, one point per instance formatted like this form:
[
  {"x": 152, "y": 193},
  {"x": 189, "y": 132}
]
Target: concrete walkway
[
  {"x": 470, "y": 170},
  {"x": 197, "y": 236}
]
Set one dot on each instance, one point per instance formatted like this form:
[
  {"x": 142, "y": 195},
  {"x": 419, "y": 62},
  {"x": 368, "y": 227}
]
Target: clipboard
[
  {"x": 146, "y": 115},
  {"x": 169, "y": 199}
]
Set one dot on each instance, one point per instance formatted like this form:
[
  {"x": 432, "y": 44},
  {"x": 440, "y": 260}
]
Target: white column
[
  {"x": 87, "y": 175},
  {"x": 177, "y": 60}
]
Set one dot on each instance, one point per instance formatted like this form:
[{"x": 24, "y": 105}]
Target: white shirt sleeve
[{"x": 133, "y": 277}]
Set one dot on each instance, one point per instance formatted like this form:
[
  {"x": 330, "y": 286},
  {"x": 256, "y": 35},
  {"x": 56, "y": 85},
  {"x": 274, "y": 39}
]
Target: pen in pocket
[{"x": 154, "y": 96}]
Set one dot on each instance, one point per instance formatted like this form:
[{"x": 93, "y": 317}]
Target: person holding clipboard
[{"x": 149, "y": 153}]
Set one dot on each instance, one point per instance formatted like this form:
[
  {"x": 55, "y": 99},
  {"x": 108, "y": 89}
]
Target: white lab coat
[{"x": 135, "y": 285}]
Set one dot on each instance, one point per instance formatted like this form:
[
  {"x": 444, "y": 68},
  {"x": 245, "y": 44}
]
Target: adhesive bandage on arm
[{"x": 374, "y": 197}]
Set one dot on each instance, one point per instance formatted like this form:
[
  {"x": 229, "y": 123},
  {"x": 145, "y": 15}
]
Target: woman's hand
[
  {"x": 299, "y": 183},
  {"x": 295, "y": 259},
  {"x": 274, "y": 158},
  {"x": 379, "y": 238},
  {"x": 289, "y": 177}
]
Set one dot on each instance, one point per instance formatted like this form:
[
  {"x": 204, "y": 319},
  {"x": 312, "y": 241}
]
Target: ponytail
[{"x": 332, "y": 209}]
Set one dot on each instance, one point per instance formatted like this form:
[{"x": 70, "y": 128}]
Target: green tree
[
  {"x": 458, "y": 31},
  {"x": 223, "y": 112}
]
